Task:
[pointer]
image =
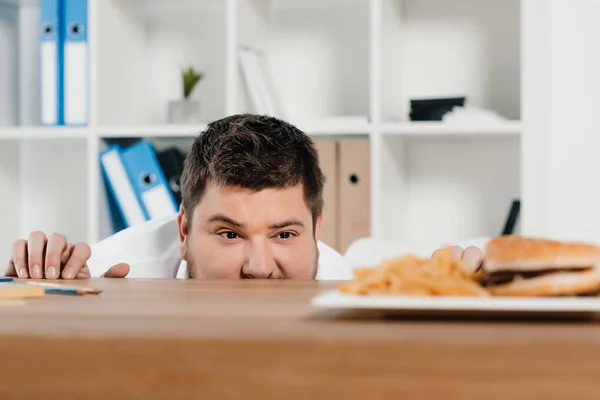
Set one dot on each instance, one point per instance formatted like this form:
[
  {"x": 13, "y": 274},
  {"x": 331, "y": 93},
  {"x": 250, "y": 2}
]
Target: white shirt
[{"x": 152, "y": 251}]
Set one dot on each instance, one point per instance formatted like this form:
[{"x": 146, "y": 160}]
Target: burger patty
[{"x": 502, "y": 277}]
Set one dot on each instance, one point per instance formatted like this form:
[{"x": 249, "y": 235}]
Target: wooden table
[{"x": 261, "y": 339}]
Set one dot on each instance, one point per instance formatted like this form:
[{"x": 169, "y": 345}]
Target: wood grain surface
[{"x": 181, "y": 339}]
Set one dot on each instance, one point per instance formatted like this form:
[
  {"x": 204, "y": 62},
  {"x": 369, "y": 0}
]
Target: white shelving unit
[{"x": 431, "y": 181}]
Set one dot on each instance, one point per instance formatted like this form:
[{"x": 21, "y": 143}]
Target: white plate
[{"x": 462, "y": 305}]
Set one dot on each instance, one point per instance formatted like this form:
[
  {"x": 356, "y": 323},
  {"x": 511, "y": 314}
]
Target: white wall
[
  {"x": 437, "y": 190},
  {"x": 9, "y": 197},
  {"x": 29, "y": 82},
  {"x": 9, "y": 78},
  {"x": 53, "y": 193},
  {"x": 9, "y": 150},
  {"x": 562, "y": 125},
  {"x": 460, "y": 188}
]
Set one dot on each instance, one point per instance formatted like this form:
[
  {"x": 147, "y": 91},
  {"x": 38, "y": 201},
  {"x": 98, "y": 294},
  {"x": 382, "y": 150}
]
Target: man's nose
[{"x": 259, "y": 262}]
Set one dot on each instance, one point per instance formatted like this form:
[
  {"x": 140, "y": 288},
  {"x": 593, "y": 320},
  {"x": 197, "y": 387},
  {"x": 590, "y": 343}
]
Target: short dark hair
[{"x": 253, "y": 152}]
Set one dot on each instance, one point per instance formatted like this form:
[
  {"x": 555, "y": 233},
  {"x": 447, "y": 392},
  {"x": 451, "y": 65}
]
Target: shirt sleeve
[
  {"x": 151, "y": 249},
  {"x": 332, "y": 265}
]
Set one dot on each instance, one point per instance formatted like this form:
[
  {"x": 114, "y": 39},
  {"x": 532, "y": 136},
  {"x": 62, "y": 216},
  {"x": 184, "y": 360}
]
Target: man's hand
[
  {"x": 472, "y": 257},
  {"x": 53, "y": 257},
  {"x": 116, "y": 271}
]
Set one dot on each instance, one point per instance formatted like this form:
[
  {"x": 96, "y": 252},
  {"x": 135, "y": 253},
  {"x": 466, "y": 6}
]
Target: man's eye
[
  {"x": 285, "y": 235},
  {"x": 229, "y": 235}
]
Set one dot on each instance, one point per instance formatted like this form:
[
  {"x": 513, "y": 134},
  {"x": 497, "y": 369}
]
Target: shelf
[
  {"x": 150, "y": 131},
  {"x": 42, "y": 132},
  {"x": 451, "y": 130},
  {"x": 20, "y": 2},
  {"x": 313, "y": 128},
  {"x": 335, "y": 126}
]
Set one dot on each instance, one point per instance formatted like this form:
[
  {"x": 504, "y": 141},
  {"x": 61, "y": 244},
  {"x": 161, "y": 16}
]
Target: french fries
[{"x": 408, "y": 275}]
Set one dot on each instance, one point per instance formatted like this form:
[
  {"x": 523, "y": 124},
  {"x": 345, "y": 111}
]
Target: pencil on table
[{"x": 55, "y": 288}]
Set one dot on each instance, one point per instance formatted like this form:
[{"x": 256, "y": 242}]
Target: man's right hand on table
[{"x": 53, "y": 257}]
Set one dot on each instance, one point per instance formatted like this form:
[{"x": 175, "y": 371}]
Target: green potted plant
[{"x": 186, "y": 110}]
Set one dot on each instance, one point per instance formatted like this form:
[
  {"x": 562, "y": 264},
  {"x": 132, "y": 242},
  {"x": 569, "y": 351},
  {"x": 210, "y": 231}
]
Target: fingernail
[
  {"x": 51, "y": 273},
  {"x": 37, "y": 271},
  {"x": 23, "y": 273},
  {"x": 68, "y": 273}
]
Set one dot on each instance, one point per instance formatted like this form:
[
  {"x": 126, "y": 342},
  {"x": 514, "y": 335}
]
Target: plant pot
[{"x": 184, "y": 112}]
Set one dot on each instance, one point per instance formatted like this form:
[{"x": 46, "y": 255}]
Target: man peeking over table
[{"x": 252, "y": 208}]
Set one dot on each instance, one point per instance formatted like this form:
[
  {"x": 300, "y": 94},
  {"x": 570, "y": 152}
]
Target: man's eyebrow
[
  {"x": 227, "y": 220},
  {"x": 286, "y": 223}
]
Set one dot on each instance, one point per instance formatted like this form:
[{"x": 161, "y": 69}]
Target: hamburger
[{"x": 521, "y": 266}]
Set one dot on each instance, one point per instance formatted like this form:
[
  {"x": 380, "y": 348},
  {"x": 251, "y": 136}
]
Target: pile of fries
[{"x": 441, "y": 275}]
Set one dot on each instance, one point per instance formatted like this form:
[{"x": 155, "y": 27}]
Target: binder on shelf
[
  {"x": 148, "y": 181},
  {"x": 328, "y": 159},
  {"x": 75, "y": 64},
  {"x": 122, "y": 194},
  {"x": 117, "y": 222},
  {"x": 171, "y": 161},
  {"x": 249, "y": 73},
  {"x": 260, "y": 87},
  {"x": 51, "y": 73},
  {"x": 354, "y": 191}
]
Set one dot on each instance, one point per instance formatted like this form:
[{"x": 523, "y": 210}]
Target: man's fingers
[
  {"x": 457, "y": 252},
  {"x": 117, "y": 271},
  {"x": 57, "y": 244},
  {"x": 84, "y": 273},
  {"x": 472, "y": 258},
  {"x": 66, "y": 254},
  {"x": 18, "y": 260},
  {"x": 10, "y": 269},
  {"x": 36, "y": 247},
  {"x": 79, "y": 256},
  {"x": 51, "y": 257}
]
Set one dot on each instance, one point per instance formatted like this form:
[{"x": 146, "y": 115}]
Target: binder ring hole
[
  {"x": 148, "y": 179},
  {"x": 353, "y": 179},
  {"x": 47, "y": 29},
  {"x": 175, "y": 184},
  {"x": 76, "y": 29}
]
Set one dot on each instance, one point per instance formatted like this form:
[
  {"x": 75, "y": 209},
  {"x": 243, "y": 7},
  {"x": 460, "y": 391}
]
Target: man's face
[{"x": 238, "y": 233}]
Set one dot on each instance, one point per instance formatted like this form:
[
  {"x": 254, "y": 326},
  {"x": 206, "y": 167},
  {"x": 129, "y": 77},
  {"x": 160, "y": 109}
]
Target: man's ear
[
  {"x": 318, "y": 225},
  {"x": 183, "y": 224}
]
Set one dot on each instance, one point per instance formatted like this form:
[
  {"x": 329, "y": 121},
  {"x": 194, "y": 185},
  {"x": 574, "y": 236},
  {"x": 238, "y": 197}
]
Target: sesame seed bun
[{"x": 517, "y": 253}]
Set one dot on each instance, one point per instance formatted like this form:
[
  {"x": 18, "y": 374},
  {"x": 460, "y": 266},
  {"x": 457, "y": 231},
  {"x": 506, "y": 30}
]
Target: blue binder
[
  {"x": 76, "y": 60},
  {"x": 51, "y": 72},
  {"x": 120, "y": 189},
  {"x": 149, "y": 181}
]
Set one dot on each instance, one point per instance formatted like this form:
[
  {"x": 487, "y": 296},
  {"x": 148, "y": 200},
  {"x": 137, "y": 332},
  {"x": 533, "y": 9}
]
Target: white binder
[
  {"x": 50, "y": 60},
  {"x": 76, "y": 85}
]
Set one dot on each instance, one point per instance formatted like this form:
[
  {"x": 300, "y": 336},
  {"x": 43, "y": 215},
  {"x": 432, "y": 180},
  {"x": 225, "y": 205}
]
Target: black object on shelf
[
  {"x": 171, "y": 162},
  {"x": 433, "y": 109},
  {"x": 511, "y": 219},
  {"x": 123, "y": 142}
]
